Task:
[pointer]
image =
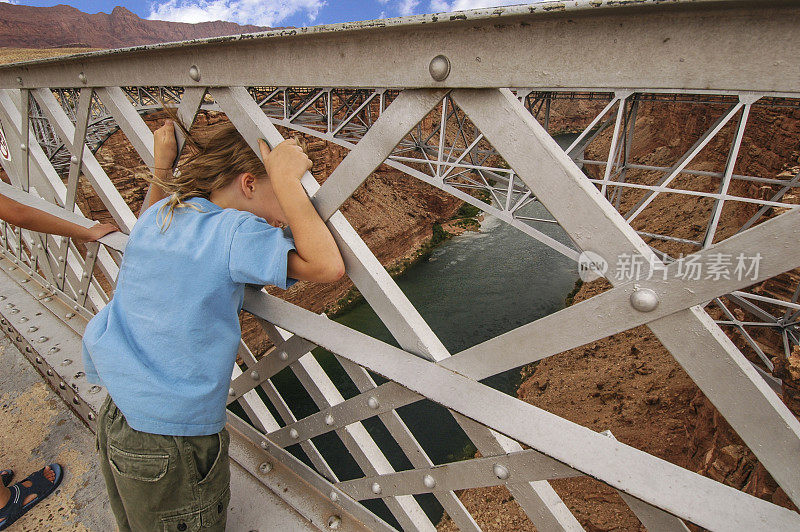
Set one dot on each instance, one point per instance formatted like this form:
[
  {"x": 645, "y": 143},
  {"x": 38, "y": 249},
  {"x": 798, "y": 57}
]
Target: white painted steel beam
[
  {"x": 708, "y": 356},
  {"x": 690, "y": 45}
]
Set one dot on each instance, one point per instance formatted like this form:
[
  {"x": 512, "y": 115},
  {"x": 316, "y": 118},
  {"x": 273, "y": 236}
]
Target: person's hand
[
  {"x": 165, "y": 146},
  {"x": 286, "y": 161},
  {"x": 98, "y": 231}
]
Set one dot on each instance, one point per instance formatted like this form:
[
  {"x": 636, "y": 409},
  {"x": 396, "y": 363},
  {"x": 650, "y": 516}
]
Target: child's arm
[
  {"x": 31, "y": 218},
  {"x": 317, "y": 257},
  {"x": 165, "y": 149}
]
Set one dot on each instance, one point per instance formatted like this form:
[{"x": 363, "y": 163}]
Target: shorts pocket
[
  {"x": 147, "y": 467},
  {"x": 216, "y": 510},
  {"x": 221, "y": 461},
  {"x": 182, "y": 522}
]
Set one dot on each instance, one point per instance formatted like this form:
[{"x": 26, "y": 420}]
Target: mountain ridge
[{"x": 63, "y": 26}]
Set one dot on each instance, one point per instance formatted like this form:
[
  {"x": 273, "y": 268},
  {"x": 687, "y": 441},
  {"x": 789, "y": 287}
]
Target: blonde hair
[{"x": 212, "y": 164}]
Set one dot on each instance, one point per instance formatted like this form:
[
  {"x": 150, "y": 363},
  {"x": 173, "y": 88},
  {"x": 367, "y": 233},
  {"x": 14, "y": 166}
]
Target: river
[{"x": 473, "y": 287}]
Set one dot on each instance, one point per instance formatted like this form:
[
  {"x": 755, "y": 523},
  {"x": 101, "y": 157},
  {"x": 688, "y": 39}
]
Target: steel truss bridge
[{"x": 463, "y": 102}]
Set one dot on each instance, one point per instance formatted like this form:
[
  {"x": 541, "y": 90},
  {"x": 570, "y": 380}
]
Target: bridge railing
[{"x": 462, "y": 102}]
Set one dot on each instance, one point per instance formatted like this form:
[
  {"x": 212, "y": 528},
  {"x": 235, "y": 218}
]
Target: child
[
  {"x": 165, "y": 345},
  {"x": 16, "y": 500}
]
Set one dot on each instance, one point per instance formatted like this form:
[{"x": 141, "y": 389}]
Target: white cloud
[
  {"x": 459, "y": 5},
  {"x": 258, "y": 12},
  {"x": 407, "y": 7}
]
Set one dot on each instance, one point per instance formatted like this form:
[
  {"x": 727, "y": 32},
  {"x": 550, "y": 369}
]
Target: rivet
[
  {"x": 439, "y": 68},
  {"x": 73, "y": 160},
  {"x": 19, "y": 80},
  {"x": 91, "y": 416},
  {"x": 194, "y": 73},
  {"x": 284, "y": 355},
  {"x": 59, "y": 276},
  {"x": 49, "y": 287},
  {"x": 264, "y": 444},
  {"x": 376, "y": 488},
  {"x": 33, "y": 328},
  {"x": 43, "y": 339},
  {"x": 38, "y": 360},
  {"x": 265, "y": 468},
  {"x": 644, "y": 300},
  {"x": 12, "y": 268},
  {"x": 23, "y": 146},
  {"x": 48, "y": 299},
  {"x": 69, "y": 315},
  {"x": 90, "y": 254},
  {"x": 500, "y": 472},
  {"x": 41, "y": 295},
  {"x": 19, "y": 339},
  {"x": 76, "y": 308},
  {"x": 55, "y": 349},
  {"x": 60, "y": 259},
  {"x": 429, "y": 481},
  {"x": 254, "y": 375},
  {"x": 85, "y": 275},
  {"x": 334, "y": 522},
  {"x": 14, "y": 310},
  {"x": 94, "y": 389},
  {"x": 334, "y": 496},
  {"x": 25, "y": 280},
  {"x": 329, "y": 420},
  {"x": 66, "y": 361},
  {"x": 75, "y": 401},
  {"x": 81, "y": 292},
  {"x": 9, "y": 305},
  {"x": 2, "y": 298},
  {"x": 23, "y": 319},
  {"x": 293, "y": 434},
  {"x": 49, "y": 372},
  {"x": 82, "y": 77},
  {"x": 80, "y": 375},
  {"x": 231, "y": 391},
  {"x": 373, "y": 403},
  {"x": 28, "y": 349},
  {"x": 62, "y": 385},
  {"x": 39, "y": 246}
]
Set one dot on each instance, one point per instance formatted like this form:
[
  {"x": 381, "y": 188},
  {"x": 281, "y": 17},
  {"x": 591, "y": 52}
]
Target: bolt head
[
  {"x": 500, "y": 472},
  {"x": 265, "y": 468},
  {"x": 264, "y": 444},
  {"x": 376, "y": 488},
  {"x": 329, "y": 420},
  {"x": 194, "y": 73},
  {"x": 293, "y": 434},
  {"x": 373, "y": 403},
  {"x": 334, "y": 496},
  {"x": 73, "y": 160},
  {"x": 334, "y": 522},
  {"x": 429, "y": 481},
  {"x": 644, "y": 300},
  {"x": 439, "y": 68},
  {"x": 254, "y": 375}
]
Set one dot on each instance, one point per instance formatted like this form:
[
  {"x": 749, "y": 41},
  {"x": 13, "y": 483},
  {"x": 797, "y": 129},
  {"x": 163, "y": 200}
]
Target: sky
[{"x": 273, "y": 12}]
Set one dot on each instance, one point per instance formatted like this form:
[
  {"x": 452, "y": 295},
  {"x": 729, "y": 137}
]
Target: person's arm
[
  {"x": 165, "y": 150},
  {"x": 33, "y": 219},
  {"x": 317, "y": 258}
]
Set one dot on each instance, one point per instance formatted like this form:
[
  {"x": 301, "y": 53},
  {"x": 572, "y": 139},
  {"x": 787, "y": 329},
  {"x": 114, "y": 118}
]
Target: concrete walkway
[{"x": 37, "y": 428}]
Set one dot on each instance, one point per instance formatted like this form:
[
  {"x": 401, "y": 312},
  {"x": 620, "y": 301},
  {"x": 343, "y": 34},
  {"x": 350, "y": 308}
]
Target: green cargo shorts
[{"x": 161, "y": 483}]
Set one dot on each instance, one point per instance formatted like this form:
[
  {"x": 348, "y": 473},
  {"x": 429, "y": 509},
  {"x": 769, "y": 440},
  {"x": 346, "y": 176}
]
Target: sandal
[
  {"x": 6, "y": 475},
  {"x": 40, "y": 486}
]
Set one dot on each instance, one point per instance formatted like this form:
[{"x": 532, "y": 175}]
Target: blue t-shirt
[{"x": 166, "y": 343}]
